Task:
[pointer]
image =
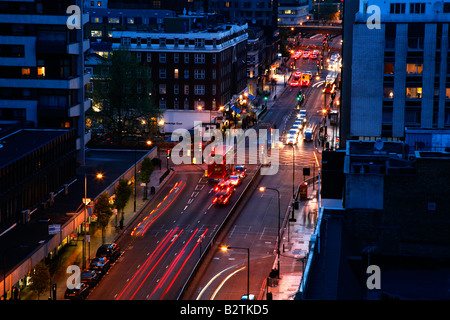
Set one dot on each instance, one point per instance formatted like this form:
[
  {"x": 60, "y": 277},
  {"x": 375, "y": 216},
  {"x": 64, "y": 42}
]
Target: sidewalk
[
  {"x": 71, "y": 254},
  {"x": 295, "y": 247}
]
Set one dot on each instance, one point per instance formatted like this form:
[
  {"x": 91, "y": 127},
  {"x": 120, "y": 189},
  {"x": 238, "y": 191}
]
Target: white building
[{"x": 400, "y": 70}]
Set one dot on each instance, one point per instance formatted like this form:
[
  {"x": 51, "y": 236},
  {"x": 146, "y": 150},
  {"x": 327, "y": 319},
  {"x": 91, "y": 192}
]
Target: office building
[
  {"x": 42, "y": 78},
  {"x": 395, "y": 69}
]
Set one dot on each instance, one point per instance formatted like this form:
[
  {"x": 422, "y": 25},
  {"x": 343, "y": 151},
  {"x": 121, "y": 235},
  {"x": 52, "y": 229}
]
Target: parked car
[
  {"x": 90, "y": 277},
  {"x": 100, "y": 265},
  {"x": 109, "y": 250},
  {"x": 79, "y": 293}
]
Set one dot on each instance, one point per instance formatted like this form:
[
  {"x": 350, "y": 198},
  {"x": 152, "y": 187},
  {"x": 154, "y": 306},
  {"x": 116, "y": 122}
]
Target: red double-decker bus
[{"x": 219, "y": 170}]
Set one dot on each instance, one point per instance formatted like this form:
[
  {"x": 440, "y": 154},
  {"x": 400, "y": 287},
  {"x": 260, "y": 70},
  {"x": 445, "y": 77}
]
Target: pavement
[{"x": 295, "y": 248}]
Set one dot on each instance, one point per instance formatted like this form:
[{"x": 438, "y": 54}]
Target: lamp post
[
  {"x": 86, "y": 201},
  {"x": 225, "y": 249},
  {"x": 262, "y": 189}
]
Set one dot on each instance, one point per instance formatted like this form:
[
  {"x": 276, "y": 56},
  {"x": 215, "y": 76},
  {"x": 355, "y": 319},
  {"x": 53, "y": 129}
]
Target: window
[
  {"x": 213, "y": 90},
  {"x": 99, "y": 3},
  {"x": 96, "y": 33},
  {"x": 162, "y": 58},
  {"x": 186, "y": 73},
  {"x": 149, "y": 57},
  {"x": 25, "y": 72},
  {"x": 139, "y": 57},
  {"x": 186, "y": 104},
  {"x": 125, "y": 41},
  {"x": 388, "y": 93},
  {"x": 162, "y": 89},
  {"x": 138, "y": 41},
  {"x": 199, "y": 43},
  {"x": 130, "y": 20},
  {"x": 162, "y": 73},
  {"x": 176, "y": 104},
  {"x": 397, "y": 8},
  {"x": 176, "y": 89},
  {"x": 175, "y": 41},
  {"x": 96, "y": 20},
  {"x": 388, "y": 68},
  {"x": 162, "y": 42},
  {"x": 446, "y": 7},
  {"x": 417, "y": 8},
  {"x": 199, "y": 58},
  {"x": 186, "y": 58},
  {"x": 214, "y": 58},
  {"x": 199, "y": 74},
  {"x": 199, "y": 90},
  {"x": 413, "y": 93},
  {"x": 162, "y": 104},
  {"x": 176, "y": 58},
  {"x": 447, "y": 93},
  {"x": 186, "y": 89},
  {"x": 214, "y": 74},
  {"x": 41, "y": 71},
  {"x": 113, "y": 20},
  {"x": 175, "y": 73},
  {"x": 414, "y": 68}
]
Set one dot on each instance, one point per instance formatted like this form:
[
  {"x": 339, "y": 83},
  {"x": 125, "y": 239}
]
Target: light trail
[
  {"x": 158, "y": 249},
  {"x": 225, "y": 280}
]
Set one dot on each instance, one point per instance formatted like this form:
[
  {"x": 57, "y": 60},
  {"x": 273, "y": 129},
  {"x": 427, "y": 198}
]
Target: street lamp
[
  {"x": 262, "y": 189},
  {"x": 86, "y": 202},
  {"x": 225, "y": 249}
]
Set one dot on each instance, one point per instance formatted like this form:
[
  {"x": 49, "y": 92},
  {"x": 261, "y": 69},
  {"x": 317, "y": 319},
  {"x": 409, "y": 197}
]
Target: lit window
[
  {"x": 96, "y": 33},
  {"x": 41, "y": 71},
  {"x": 130, "y": 20},
  {"x": 175, "y": 73},
  {"x": 25, "y": 71}
]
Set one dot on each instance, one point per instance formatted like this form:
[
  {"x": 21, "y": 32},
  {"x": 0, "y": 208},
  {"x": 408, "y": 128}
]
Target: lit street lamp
[
  {"x": 225, "y": 249},
  {"x": 262, "y": 189}
]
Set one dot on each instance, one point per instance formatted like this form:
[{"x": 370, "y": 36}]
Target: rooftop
[{"x": 20, "y": 143}]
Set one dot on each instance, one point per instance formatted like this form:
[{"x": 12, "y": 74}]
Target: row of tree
[{"x": 41, "y": 277}]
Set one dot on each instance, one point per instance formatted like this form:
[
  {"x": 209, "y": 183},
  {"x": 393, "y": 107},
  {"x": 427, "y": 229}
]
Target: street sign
[{"x": 54, "y": 229}]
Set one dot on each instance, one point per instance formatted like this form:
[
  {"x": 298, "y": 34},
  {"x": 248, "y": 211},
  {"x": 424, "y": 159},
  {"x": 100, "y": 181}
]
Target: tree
[
  {"x": 104, "y": 212},
  {"x": 123, "y": 193},
  {"x": 40, "y": 278},
  {"x": 145, "y": 173},
  {"x": 121, "y": 94}
]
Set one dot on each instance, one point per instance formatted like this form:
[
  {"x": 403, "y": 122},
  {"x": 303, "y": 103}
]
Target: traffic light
[
  {"x": 168, "y": 153},
  {"x": 266, "y": 98},
  {"x": 299, "y": 97}
]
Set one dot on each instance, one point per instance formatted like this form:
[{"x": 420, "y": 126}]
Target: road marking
[
  {"x": 190, "y": 201},
  {"x": 194, "y": 194},
  {"x": 185, "y": 208}
]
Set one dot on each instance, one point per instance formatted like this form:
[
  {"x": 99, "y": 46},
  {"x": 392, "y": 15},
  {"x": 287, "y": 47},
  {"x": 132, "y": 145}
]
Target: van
[{"x": 308, "y": 134}]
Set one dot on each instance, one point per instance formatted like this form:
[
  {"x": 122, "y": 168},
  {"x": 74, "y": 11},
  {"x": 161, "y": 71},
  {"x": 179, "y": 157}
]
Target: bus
[
  {"x": 305, "y": 79},
  {"x": 330, "y": 83},
  {"x": 308, "y": 134},
  {"x": 220, "y": 170}
]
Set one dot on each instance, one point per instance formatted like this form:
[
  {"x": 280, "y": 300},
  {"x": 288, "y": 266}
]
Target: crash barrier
[{"x": 216, "y": 234}]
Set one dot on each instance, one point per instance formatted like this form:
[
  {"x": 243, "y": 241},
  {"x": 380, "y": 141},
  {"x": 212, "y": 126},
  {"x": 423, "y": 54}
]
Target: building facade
[
  {"x": 42, "y": 77},
  {"x": 192, "y": 72},
  {"x": 34, "y": 165},
  {"x": 399, "y": 69}
]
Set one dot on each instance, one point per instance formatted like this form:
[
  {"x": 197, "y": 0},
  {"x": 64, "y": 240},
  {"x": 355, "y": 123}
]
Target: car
[
  {"x": 305, "y": 55},
  {"x": 222, "y": 196},
  {"x": 297, "y": 126},
  {"x": 78, "y": 293},
  {"x": 308, "y": 134},
  {"x": 100, "y": 265},
  {"x": 90, "y": 277},
  {"x": 308, "y": 73},
  {"x": 291, "y": 139},
  {"x": 223, "y": 184},
  {"x": 235, "y": 180},
  {"x": 293, "y": 132},
  {"x": 240, "y": 171},
  {"x": 294, "y": 83},
  {"x": 109, "y": 250}
]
